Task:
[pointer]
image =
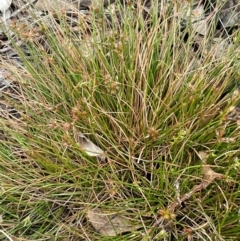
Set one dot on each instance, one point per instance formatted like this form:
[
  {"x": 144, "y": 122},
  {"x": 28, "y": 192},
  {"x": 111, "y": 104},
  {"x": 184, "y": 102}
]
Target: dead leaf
[
  {"x": 203, "y": 156},
  {"x": 199, "y": 24},
  {"x": 196, "y": 14},
  {"x": 209, "y": 175},
  {"x": 88, "y": 146},
  {"x": 110, "y": 224}
]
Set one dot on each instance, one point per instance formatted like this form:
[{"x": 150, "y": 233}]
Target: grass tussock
[{"x": 154, "y": 106}]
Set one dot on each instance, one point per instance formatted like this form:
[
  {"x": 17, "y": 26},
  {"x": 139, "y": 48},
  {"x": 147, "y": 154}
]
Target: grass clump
[{"x": 164, "y": 115}]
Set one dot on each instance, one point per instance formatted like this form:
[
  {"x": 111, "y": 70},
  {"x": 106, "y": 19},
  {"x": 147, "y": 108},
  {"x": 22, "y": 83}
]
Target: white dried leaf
[
  {"x": 109, "y": 224},
  {"x": 88, "y": 146},
  {"x": 199, "y": 23},
  {"x": 6, "y": 13},
  {"x": 200, "y": 27}
]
